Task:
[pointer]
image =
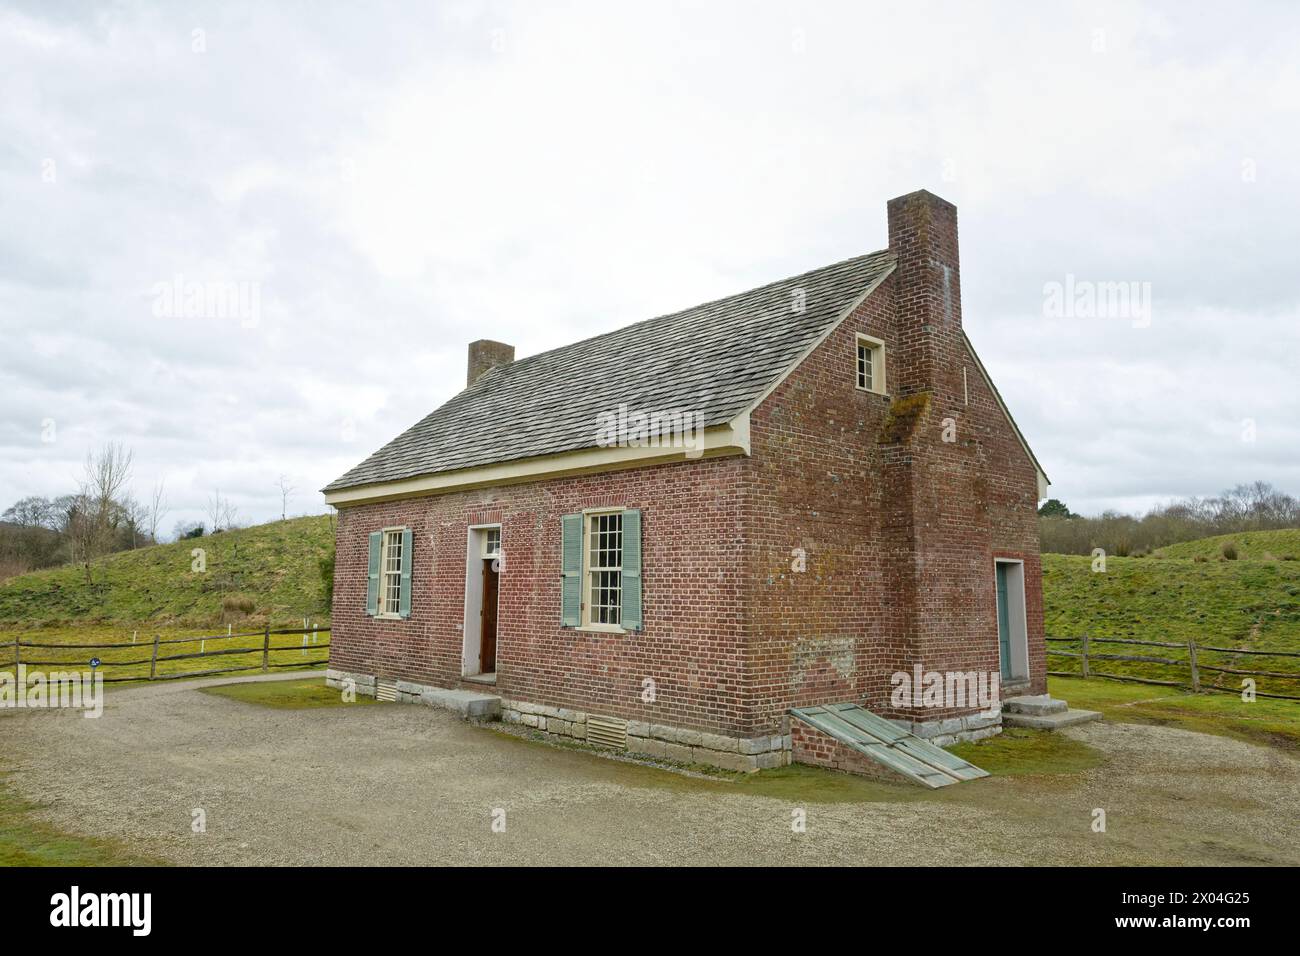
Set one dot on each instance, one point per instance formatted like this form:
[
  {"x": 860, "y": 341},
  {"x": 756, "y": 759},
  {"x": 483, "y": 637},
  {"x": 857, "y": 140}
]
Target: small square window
[{"x": 871, "y": 364}]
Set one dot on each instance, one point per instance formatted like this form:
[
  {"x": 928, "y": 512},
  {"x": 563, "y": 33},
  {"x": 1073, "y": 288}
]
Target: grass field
[
  {"x": 1273, "y": 723},
  {"x": 273, "y": 569},
  {"x": 1250, "y": 545},
  {"x": 1249, "y": 603},
  {"x": 132, "y": 661}
]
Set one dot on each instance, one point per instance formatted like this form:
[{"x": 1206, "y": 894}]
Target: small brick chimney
[{"x": 485, "y": 355}]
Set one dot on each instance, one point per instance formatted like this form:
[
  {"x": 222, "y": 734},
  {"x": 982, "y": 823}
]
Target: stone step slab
[
  {"x": 1037, "y": 705},
  {"x": 1054, "y": 721}
]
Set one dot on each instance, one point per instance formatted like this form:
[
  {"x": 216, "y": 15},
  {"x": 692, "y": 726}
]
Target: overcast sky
[{"x": 385, "y": 182}]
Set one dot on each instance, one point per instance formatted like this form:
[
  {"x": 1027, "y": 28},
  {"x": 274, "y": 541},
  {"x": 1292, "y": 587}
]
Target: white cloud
[{"x": 400, "y": 179}]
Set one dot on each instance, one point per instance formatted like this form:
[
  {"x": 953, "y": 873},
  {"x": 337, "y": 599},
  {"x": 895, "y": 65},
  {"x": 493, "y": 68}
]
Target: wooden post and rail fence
[
  {"x": 263, "y": 650},
  {"x": 1087, "y": 656}
]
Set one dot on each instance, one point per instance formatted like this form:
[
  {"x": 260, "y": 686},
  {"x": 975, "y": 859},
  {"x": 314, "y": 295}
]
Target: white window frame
[
  {"x": 388, "y": 536},
  {"x": 489, "y": 533},
  {"x": 590, "y": 518},
  {"x": 876, "y": 350}
]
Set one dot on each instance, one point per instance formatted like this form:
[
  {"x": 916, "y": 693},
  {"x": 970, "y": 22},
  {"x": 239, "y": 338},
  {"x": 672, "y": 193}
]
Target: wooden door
[{"x": 487, "y": 655}]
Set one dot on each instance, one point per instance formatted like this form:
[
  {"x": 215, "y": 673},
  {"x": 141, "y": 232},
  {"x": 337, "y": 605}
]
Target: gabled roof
[{"x": 716, "y": 360}]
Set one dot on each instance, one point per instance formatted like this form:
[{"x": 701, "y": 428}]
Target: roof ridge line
[{"x": 491, "y": 373}]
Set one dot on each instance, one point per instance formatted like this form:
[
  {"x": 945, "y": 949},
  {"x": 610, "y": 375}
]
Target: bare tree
[
  {"x": 285, "y": 490},
  {"x": 214, "y": 510},
  {"x": 98, "y": 510},
  {"x": 229, "y": 515},
  {"x": 221, "y": 513},
  {"x": 156, "y": 510}
]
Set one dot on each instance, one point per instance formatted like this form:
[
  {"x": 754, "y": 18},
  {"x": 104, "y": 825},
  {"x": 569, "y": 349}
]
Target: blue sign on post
[{"x": 95, "y": 662}]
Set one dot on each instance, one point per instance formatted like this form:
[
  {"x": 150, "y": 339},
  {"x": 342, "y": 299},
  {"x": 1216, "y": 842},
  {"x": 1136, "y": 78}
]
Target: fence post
[
  {"x": 18, "y": 655},
  {"x": 1083, "y": 660},
  {"x": 153, "y": 662},
  {"x": 266, "y": 649},
  {"x": 1196, "y": 674}
]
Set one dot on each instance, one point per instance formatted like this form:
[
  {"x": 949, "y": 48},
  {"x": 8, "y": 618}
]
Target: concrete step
[
  {"x": 1053, "y": 721},
  {"x": 467, "y": 703},
  {"x": 1037, "y": 705}
]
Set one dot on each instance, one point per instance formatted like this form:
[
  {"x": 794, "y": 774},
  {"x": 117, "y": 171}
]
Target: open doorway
[
  {"x": 482, "y": 592},
  {"x": 1013, "y": 634}
]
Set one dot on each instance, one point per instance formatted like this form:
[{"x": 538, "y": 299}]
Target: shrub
[
  {"x": 327, "y": 579},
  {"x": 237, "y": 604},
  {"x": 1229, "y": 551}
]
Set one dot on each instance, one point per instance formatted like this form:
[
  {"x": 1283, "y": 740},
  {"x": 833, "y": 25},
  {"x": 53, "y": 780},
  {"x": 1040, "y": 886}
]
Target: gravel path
[{"x": 403, "y": 784}]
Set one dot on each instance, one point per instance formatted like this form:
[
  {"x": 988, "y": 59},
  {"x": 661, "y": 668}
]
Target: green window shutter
[
  {"x": 632, "y": 570},
  {"x": 404, "y": 595},
  {"x": 571, "y": 566},
  {"x": 372, "y": 587}
]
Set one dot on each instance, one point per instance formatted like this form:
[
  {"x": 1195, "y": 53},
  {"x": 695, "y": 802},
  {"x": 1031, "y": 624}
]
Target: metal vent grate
[
  {"x": 385, "y": 689},
  {"x": 607, "y": 731}
]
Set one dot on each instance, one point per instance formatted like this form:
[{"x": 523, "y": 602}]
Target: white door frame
[
  {"x": 1017, "y": 617},
  {"x": 472, "y": 628}
]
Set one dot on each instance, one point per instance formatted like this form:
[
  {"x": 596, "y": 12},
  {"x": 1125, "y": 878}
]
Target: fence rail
[
  {"x": 263, "y": 648},
  {"x": 1086, "y": 656}
]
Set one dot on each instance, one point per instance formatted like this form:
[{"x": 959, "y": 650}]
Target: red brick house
[{"x": 667, "y": 537}]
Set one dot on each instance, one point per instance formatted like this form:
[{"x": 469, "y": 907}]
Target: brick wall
[
  {"x": 900, "y": 527},
  {"x": 693, "y": 579},
  {"x": 810, "y": 746}
]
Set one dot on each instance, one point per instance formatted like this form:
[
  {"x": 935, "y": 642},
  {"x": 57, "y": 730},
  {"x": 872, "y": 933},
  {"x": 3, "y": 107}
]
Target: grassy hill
[
  {"x": 1249, "y": 545},
  {"x": 1252, "y": 604},
  {"x": 265, "y": 573}
]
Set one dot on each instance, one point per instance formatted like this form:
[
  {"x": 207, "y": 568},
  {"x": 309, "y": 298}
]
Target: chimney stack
[
  {"x": 485, "y": 355},
  {"x": 923, "y": 238}
]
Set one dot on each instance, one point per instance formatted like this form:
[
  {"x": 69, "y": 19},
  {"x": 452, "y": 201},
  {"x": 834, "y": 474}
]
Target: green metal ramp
[{"x": 873, "y": 736}]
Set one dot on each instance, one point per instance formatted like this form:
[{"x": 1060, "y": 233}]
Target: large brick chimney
[
  {"x": 937, "y": 556},
  {"x": 927, "y": 282},
  {"x": 485, "y": 355}
]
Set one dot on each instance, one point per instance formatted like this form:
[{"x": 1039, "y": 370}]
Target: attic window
[{"x": 871, "y": 364}]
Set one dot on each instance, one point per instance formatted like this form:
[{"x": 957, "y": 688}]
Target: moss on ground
[
  {"x": 1019, "y": 751},
  {"x": 1274, "y": 723},
  {"x": 28, "y": 841},
  {"x": 302, "y": 694}
]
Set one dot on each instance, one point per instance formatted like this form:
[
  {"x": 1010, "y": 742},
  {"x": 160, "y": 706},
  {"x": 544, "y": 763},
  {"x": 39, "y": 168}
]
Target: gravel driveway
[{"x": 401, "y": 784}]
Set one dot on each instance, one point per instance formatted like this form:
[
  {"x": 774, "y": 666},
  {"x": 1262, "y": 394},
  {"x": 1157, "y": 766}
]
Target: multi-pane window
[
  {"x": 390, "y": 573},
  {"x": 492, "y": 543},
  {"x": 604, "y": 597},
  {"x": 871, "y": 364}
]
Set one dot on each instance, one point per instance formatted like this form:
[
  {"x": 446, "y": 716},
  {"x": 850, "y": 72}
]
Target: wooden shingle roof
[{"x": 715, "y": 360}]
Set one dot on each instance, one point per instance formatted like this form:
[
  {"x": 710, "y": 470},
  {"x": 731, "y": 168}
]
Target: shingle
[{"x": 714, "y": 359}]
